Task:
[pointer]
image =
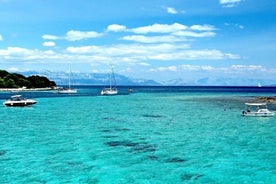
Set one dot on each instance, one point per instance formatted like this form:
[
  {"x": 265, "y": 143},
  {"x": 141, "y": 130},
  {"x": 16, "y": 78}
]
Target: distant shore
[
  {"x": 25, "y": 89},
  {"x": 267, "y": 99}
]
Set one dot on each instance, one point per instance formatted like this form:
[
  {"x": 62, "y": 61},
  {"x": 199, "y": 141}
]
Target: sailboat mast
[
  {"x": 110, "y": 75},
  {"x": 69, "y": 84}
]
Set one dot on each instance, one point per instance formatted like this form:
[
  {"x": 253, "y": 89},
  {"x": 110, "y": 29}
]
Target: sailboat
[
  {"x": 111, "y": 90},
  {"x": 68, "y": 90}
]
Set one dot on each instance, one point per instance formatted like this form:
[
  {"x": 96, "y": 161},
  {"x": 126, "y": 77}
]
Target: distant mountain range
[
  {"x": 214, "y": 81},
  {"x": 61, "y": 78}
]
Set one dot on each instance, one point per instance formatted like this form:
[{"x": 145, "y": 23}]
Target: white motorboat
[
  {"x": 111, "y": 90},
  {"x": 257, "y": 110},
  {"x": 19, "y": 101}
]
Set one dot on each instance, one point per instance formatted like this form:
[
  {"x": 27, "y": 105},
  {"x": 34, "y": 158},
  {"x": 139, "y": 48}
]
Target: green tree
[{"x": 14, "y": 80}]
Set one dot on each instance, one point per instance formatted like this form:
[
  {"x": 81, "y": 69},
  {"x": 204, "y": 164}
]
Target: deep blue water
[{"x": 154, "y": 135}]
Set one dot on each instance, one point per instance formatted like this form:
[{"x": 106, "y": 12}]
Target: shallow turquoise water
[{"x": 139, "y": 138}]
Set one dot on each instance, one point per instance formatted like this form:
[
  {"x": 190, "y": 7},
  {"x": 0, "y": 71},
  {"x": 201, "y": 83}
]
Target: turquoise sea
[{"x": 155, "y": 135}]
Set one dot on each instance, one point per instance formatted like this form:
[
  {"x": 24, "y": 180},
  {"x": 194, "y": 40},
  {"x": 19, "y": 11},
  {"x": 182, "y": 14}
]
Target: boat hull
[
  {"x": 109, "y": 92},
  {"x": 19, "y": 103},
  {"x": 68, "y": 91},
  {"x": 258, "y": 114}
]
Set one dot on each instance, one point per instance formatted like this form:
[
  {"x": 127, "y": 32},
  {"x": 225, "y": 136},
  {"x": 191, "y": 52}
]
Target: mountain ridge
[{"x": 61, "y": 78}]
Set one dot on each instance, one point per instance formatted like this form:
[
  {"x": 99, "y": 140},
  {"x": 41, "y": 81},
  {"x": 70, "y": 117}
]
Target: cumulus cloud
[
  {"x": 197, "y": 67},
  {"x": 1, "y": 37},
  {"x": 49, "y": 44},
  {"x": 167, "y": 32},
  {"x": 195, "y": 34},
  {"x": 164, "y": 69},
  {"x": 159, "y": 28},
  {"x": 154, "y": 39},
  {"x": 156, "y": 42},
  {"x": 74, "y": 35},
  {"x": 183, "y": 68},
  {"x": 50, "y": 37},
  {"x": 23, "y": 54},
  {"x": 119, "y": 53},
  {"x": 116, "y": 28},
  {"x": 204, "y": 27},
  {"x": 229, "y": 3},
  {"x": 247, "y": 67}
]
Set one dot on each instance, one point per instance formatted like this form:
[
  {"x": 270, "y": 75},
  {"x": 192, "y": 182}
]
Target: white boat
[
  {"x": 111, "y": 90},
  {"x": 19, "y": 101},
  {"x": 257, "y": 110},
  {"x": 68, "y": 90}
]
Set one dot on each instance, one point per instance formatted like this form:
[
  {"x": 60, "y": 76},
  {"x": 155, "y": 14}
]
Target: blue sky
[{"x": 161, "y": 40}]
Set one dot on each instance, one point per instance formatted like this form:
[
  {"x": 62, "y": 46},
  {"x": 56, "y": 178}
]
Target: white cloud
[
  {"x": 119, "y": 53},
  {"x": 154, "y": 39},
  {"x": 195, "y": 34},
  {"x": 234, "y": 69},
  {"x": 23, "y": 54},
  {"x": 171, "y": 10},
  {"x": 50, "y": 37},
  {"x": 197, "y": 67},
  {"x": 74, "y": 35},
  {"x": 84, "y": 49},
  {"x": 164, "y": 69},
  {"x": 247, "y": 67},
  {"x": 116, "y": 28},
  {"x": 159, "y": 28},
  {"x": 181, "y": 68},
  {"x": 193, "y": 55},
  {"x": 13, "y": 69},
  {"x": 229, "y": 3},
  {"x": 144, "y": 64},
  {"x": 204, "y": 27},
  {"x": 49, "y": 44},
  {"x": 175, "y": 29},
  {"x": 1, "y": 37}
]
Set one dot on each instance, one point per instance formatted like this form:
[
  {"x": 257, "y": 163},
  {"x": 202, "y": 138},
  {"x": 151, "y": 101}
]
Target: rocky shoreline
[{"x": 267, "y": 99}]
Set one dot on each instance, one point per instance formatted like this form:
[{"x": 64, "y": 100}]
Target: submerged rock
[
  {"x": 176, "y": 160},
  {"x": 144, "y": 148},
  {"x": 267, "y": 99},
  {"x": 188, "y": 176},
  {"x": 135, "y": 146},
  {"x": 2, "y": 152},
  {"x": 152, "y": 116},
  {"x": 121, "y": 143}
]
